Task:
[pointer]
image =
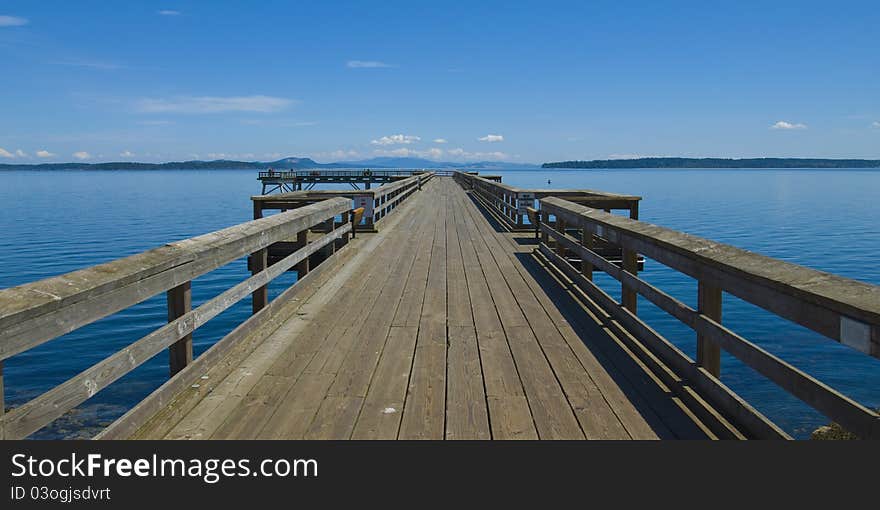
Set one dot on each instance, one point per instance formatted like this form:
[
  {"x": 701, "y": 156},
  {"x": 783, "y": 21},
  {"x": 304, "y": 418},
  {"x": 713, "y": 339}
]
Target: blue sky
[{"x": 514, "y": 81}]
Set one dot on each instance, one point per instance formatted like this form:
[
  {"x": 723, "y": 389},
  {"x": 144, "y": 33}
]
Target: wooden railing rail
[
  {"x": 512, "y": 203},
  {"x": 841, "y": 309},
  {"x": 35, "y": 313},
  {"x": 377, "y": 203}
]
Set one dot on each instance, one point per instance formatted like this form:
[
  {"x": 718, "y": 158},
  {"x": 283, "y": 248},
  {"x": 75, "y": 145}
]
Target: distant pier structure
[{"x": 282, "y": 181}]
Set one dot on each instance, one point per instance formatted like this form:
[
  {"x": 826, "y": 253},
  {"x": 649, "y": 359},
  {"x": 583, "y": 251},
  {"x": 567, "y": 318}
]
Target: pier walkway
[
  {"x": 436, "y": 328},
  {"x": 443, "y": 308}
]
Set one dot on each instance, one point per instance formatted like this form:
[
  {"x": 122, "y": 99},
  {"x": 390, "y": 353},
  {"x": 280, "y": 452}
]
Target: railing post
[
  {"x": 544, "y": 217},
  {"x": 259, "y": 297},
  {"x": 709, "y": 304},
  {"x": 302, "y": 238},
  {"x": 560, "y": 227},
  {"x": 353, "y": 224},
  {"x": 180, "y": 353},
  {"x": 629, "y": 297},
  {"x": 330, "y": 249},
  {"x": 586, "y": 242}
]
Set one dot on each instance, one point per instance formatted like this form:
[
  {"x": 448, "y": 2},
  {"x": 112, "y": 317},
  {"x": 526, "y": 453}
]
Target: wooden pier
[{"x": 446, "y": 315}]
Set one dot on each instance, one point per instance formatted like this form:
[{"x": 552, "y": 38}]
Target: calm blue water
[{"x": 55, "y": 222}]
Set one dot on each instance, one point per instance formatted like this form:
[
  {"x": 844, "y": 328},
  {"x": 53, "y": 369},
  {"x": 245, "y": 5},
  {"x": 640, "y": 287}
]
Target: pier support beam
[
  {"x": 709, "y": 304},
  {"x": 180, "y": 354}
]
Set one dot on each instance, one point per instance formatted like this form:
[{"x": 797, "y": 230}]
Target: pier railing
[
  {"x": 511, "y": 204},
  {"x": 841, "y": 309},
  {"x": 377, "y": 203},
  {"x": 33, "y": 314}
]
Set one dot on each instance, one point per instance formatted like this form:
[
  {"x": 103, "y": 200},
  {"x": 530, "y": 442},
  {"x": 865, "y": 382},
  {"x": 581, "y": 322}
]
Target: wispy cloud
[
  {"x": 12, "y": 21},
  {"x": 462, "y": 154},
  {"x": 396, "y": 139},
  {"x": 21, "y": 154},
  {"x": 126, "y": 154},
  {"x": 91, "y": 64},
  {"x": 491, "y": 138},
  {"x": 212, "y": 104},
  {"x": 44, "y": 154},
  {"x": 406, "y": 152},
  {"x": 155, "y": 122},
  {"x": 168, "y": 12},
  {"x": 788, "y": 125},
  {"x": 367, "y": 64},
  {"x": 82, "y": 155},
  {"x": 5, "y": 153},
  {"x": 336, "y": 155},
  {"x": 875, "y": 124},
  {"x": 441, "y": 140}
]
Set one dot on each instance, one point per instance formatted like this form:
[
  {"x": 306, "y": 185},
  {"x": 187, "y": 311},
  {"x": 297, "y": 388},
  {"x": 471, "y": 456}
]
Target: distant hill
[
  {"x": 219, "y": 164},
  {"x": 281, "y": 164},
  {"x": 390, "y": 162},
  {"x": 717, "y": 163}
]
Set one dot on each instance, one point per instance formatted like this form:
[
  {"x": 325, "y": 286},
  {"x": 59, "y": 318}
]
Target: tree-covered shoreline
[{"x": 717, "y": 163}]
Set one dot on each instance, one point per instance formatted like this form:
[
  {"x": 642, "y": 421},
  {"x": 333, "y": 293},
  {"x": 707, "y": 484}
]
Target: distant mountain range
[
  {"x": 281, "y": 164},
  {"x": 717, "y": 163}
]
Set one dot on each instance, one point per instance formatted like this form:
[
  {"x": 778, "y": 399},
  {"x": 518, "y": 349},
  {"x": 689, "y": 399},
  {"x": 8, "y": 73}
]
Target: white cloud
[
  {"x": 875, "y": 124},
  {"x": 211, "y": 104},
  {"x": 441, "y": 140},
  {"x": 5, "y": 153},
  {"x": 168, "y": 12},
  {"x": 82, "y": 155},
  {"x": 20, "y": 153},
  {"x": 491, "y": 138},
  {"x": 12, "y": 21},
  {"x": 126, "y": 154},
  {"x": 44, "y": 154},
  {"x": 788, "y": 125},
  {"x": 367, "y": 64},
  {"x": 396, "y": 139}
]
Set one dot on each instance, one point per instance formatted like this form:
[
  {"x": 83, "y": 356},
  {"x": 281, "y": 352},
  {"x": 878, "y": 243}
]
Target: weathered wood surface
[
  {"x": 840, "y": 308},
  {"x": 37, "y": 312},
  {"x": 438, "y": 327},
  {"x": 717, "y": 267}
]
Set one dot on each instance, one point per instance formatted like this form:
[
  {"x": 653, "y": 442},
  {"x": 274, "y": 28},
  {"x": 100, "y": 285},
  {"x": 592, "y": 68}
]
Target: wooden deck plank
[
  {"x": 424, "y": 409},
  {"x": 351, "y": 384},
  {"x": 594, "y": 414},
  {"x": 556, "y": 421},
  {"x": 383, "y": 406},
  {"x": 467, "y": 413}
]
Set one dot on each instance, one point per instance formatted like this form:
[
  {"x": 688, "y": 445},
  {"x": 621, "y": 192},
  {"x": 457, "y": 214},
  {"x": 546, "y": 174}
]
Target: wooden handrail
[
  {"x": 377, "y": 202},
  {"x": 34, "y": 313},
  {"x": 512, "y": 203},
  {"x": 839, "y": 308}
]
